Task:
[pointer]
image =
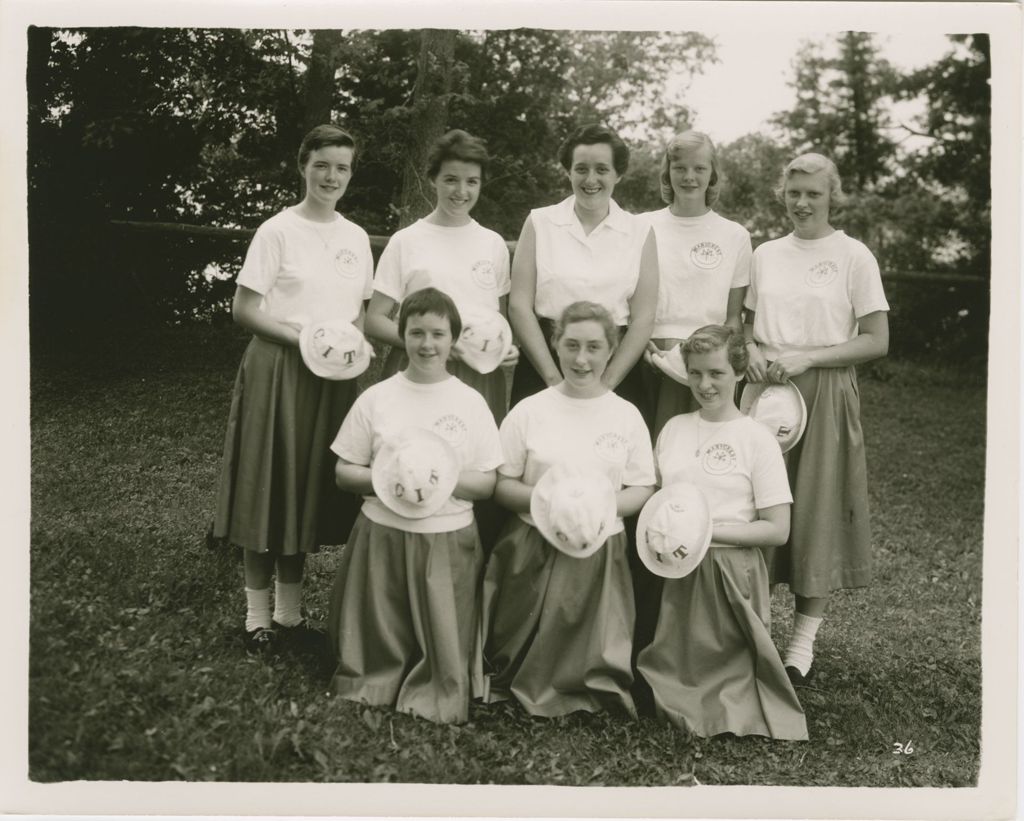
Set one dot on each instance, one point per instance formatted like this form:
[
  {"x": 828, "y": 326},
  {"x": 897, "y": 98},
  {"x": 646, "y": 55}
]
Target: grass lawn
[{"x": 137, "y": 669}]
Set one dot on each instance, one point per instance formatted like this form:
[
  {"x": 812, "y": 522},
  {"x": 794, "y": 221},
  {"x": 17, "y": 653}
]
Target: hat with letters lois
[
  {"x": 486, "y": 339},
  {"x": 334, "y": 349},
  {"x": 573, "y": 506},
  {"x": 671, "y": 364},
  {"x": 414, "y": 473},
  {"x": 779, "y": 407},
  {"x": 673, "y": 530}
]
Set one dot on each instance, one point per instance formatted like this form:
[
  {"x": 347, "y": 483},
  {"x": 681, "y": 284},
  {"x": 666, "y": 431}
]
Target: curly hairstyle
[
  {"x": 594, "y": 134},
  {"x": 714, "y": 338}
]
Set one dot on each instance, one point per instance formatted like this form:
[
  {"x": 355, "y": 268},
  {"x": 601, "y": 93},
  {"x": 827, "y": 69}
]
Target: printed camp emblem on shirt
[
  {"x": 719, "y": 459},
  {"x": 346, "y": 262},
  {"x": 452, "y": 429},
  {"x": 483, "y": 274},
  {"x": 706, "y": 255},
  {"x": 822, "y": 274},
  {"x": 612, "y": 447}
]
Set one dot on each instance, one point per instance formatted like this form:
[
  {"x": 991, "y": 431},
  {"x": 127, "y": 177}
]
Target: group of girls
[{"x": 427, "y": 614}]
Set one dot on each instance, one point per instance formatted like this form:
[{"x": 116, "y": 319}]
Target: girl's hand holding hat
[{"x": 789, "y": 365}]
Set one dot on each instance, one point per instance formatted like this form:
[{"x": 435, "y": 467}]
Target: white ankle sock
[
  {"x": 258, "y": 613},
  {"x": 800, "y": 652},
  {"x": 287, "y": 603}
]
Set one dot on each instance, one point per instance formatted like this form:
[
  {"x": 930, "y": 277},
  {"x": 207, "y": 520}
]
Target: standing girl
[
  {"x": 559, "y": 629},
  {"x": 703, "y": 262},
  {"x": 585, "y": 248},
  {"x": 816, "y": 309},
  {"x": 712, "y": 666},
  {"x": 450, "y": 251},
  {"x": 405, "y": 608},
  {"x": 276, "y": 498}
]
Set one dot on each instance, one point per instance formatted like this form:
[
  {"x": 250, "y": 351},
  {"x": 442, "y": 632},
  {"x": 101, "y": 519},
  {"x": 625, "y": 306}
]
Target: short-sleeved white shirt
[
  {"x": 809, "y": 293},
  {"x": 700, "y": 259},
  {"x": 306, "y": 268},
  {"x": 550, "y": 427},
  {"x": 739, "y": 466},
  {"x": 602, "y": 266},
  {"x": 451, "y": 409},
  {"x": 468, "y": 262}
]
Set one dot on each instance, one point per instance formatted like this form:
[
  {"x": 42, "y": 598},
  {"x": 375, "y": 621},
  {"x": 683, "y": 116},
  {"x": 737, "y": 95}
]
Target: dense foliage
[{"x": 199, "y": 126}]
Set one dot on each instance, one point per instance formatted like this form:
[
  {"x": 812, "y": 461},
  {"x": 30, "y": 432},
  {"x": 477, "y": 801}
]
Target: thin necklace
[
  {"x": 714, "y": 430},
  {"x": 324, "y": 239}
]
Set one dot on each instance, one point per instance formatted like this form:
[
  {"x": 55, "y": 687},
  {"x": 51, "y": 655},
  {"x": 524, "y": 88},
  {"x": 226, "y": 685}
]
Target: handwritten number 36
[{"x": 902, "y": 749}]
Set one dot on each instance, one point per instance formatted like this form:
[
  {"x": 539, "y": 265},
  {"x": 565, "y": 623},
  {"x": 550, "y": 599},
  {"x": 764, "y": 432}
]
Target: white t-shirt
[
  {"x": 550, "y": 427},
  {"x": 809, "y": 293},
  {"x": 699, "y": 260},
  {"x": 469, "y": 263},
  {"x": 303, "y": 268},
  {"x": 451, "y": 409},
  {"x": 601, "y": 267},
  {"x": 740, "y": 466}
]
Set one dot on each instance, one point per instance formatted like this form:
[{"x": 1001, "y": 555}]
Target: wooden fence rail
[{"x": 377, "y": 243}]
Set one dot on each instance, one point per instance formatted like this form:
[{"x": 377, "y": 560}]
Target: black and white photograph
[{"x": 511, "y": 409}]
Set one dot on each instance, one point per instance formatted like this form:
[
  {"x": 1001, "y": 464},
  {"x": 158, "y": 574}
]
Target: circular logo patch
[
  {"x": 346, "y": 262},
  {"x": 718, "y": 459},
  {"x": 612, "y": 447},
  {"x": 706, "y": 255},
  {"x": 822, "y": 274},
  {"x": 452, "y": 429},
  {"x": 483, "y": 274}
]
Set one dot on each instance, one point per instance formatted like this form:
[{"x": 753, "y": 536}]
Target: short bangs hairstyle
[
  {"x": 321, "y": 137},
  {"x": 689, "y": 141},
  {"x": 457, "y": 145},
  {"x": 429, "y": 301},
  {"x": 812, "y": 164},
  {"x": 712, "y": 338},
  {"x": 585, "y": 312},
  {"x": 594, "y": 134}
]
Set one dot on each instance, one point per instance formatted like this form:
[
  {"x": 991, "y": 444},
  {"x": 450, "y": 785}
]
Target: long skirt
[
  {"x": 526, "y": 381},
  {"x": 276, "y": 491},
  {"x": 712, "y": 666},
  {"x": 404, "y": 620},
  {"x": 558, "y": 630},
  {"x": 829, "y": 545},
  {"x": 491, "y": 386}
]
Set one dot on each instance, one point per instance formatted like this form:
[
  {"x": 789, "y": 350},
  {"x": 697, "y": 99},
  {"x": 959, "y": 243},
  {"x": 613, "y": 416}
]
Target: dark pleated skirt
[
  {"x": 276, "y": 491},
  {"x": 558, "y": 630},
  {"x": 829, "y": 544},
  {"x": 404, "y": 620},
  {"x": 712, "y": 666}
]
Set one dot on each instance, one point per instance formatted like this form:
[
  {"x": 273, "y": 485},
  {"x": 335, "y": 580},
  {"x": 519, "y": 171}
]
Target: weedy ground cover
[{"x": 137, "y": 669}]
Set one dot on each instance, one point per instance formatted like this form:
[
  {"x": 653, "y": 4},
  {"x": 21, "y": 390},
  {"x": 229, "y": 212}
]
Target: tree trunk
[
  {"x": 318, "y": 101},
  {"x": 434, "y": 70}
]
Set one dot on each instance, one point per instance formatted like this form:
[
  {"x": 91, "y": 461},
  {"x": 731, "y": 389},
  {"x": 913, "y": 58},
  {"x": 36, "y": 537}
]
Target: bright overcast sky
[{"x": 733, "y": 98}]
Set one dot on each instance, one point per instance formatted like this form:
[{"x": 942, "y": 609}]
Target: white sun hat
[
  {"x": 673, "y": 530},
  {"x": 671, "y": 364},
  {"x": 334, "y": 349},
  {"x": 414, "y": 473},
  {"x": 573, "y": 506},
  {"x": 486, "y": 339},
  {"x": 779, "y": 407}
]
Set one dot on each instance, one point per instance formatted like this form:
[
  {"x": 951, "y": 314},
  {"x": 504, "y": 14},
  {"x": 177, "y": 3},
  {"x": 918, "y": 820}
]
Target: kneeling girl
[
  {"x": 712, "y": 665},
  {"x": 404, "y": 616},
  {"x": 559, "y": 629}
]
